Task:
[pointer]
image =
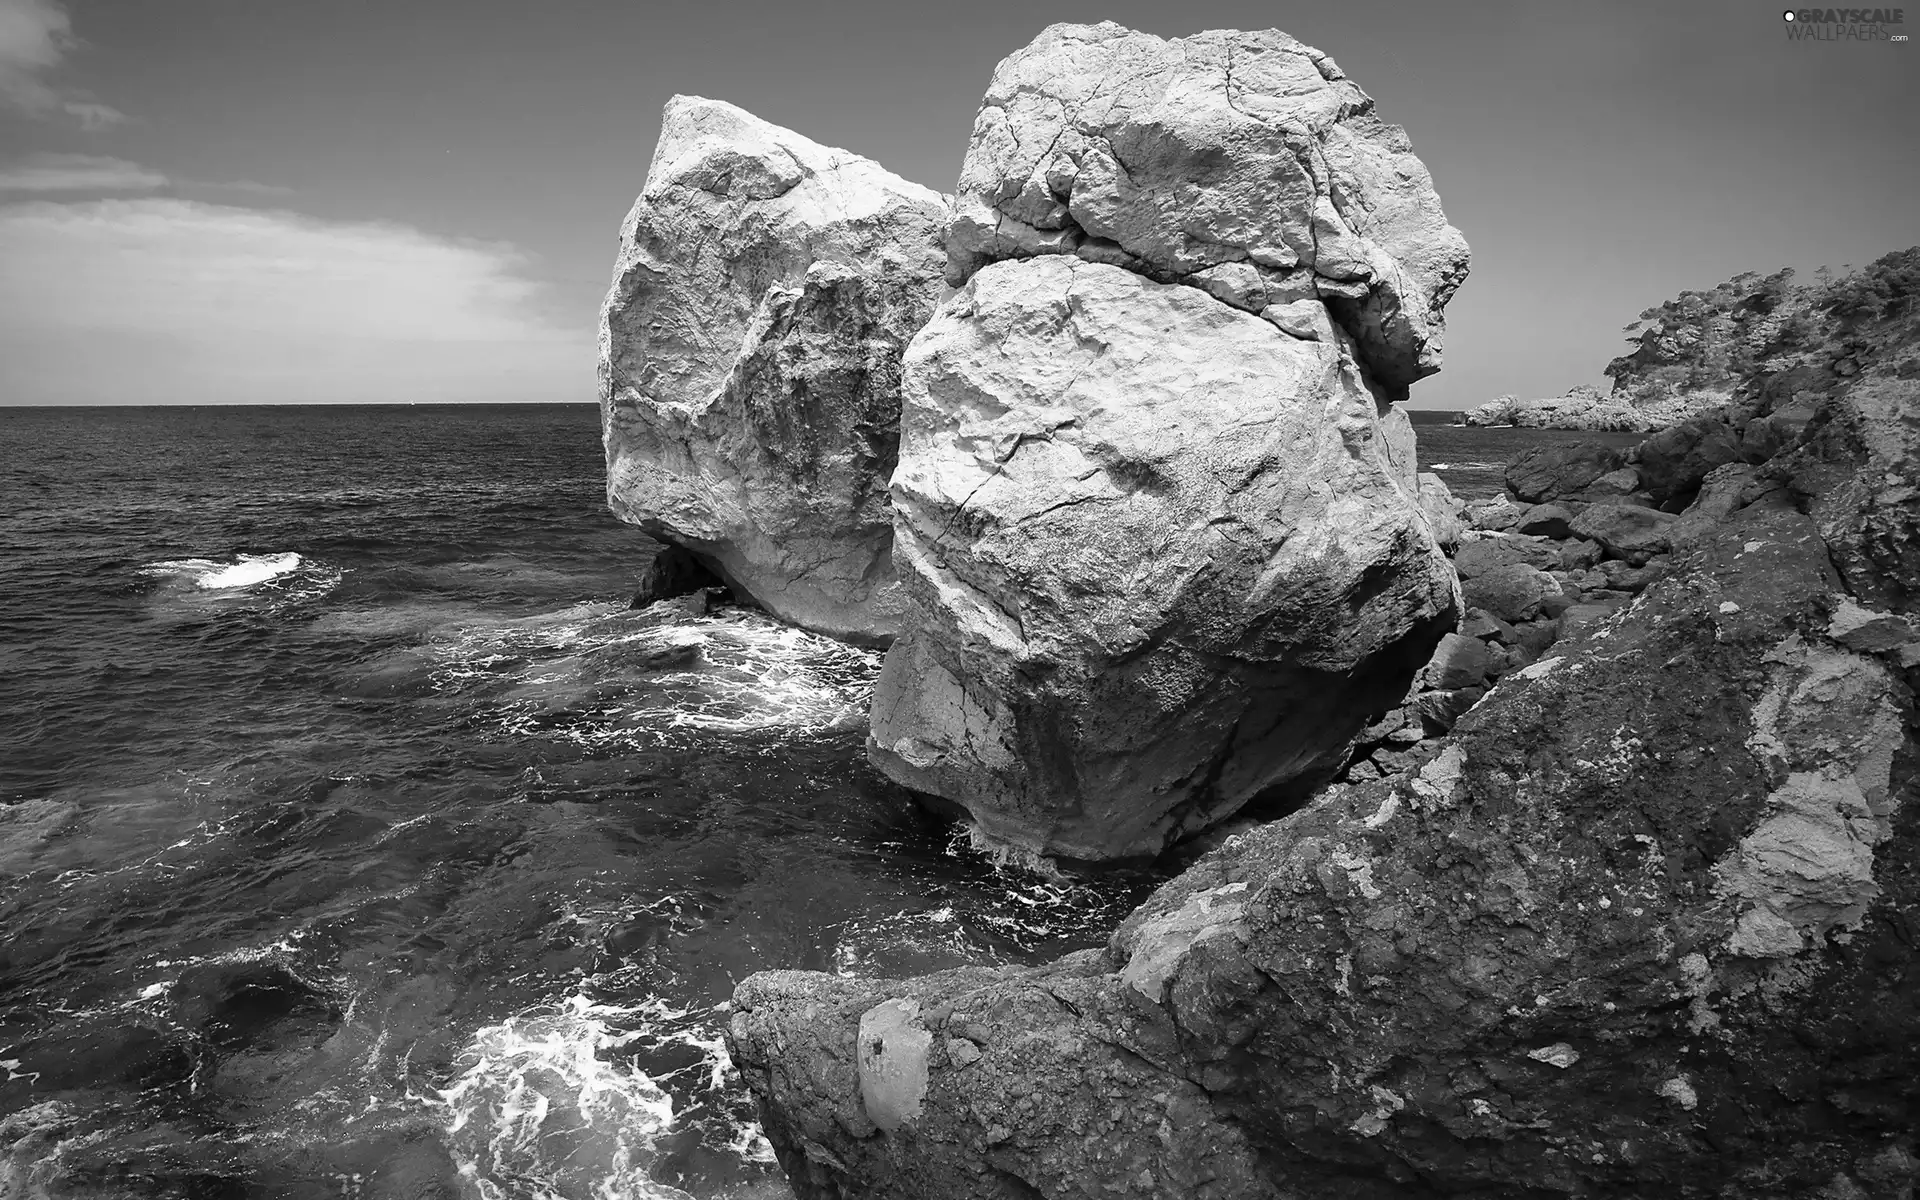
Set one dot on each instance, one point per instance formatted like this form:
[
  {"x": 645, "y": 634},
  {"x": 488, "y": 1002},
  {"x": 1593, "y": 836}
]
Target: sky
[{"x": 378, "y": 201}]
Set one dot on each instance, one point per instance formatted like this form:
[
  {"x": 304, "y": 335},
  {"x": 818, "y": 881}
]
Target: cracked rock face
[
  {"x": 1643, "y": 925},
  {"x": 750, "y": 360},
  {"x": 1161, "y": 557},
  {"x": 1245, "y": 164}
]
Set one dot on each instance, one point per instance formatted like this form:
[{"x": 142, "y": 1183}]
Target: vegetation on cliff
[{"x": 1690, "y": 353}]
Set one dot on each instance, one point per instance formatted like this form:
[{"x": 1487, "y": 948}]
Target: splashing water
[
  {"x": 587, "y": 675},
  {"x": 537, "y": 1112}
]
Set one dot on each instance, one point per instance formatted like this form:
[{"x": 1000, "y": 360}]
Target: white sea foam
[
  {"x": 243, "y": 571},
  {"x": 586, "y": 674},
  {"x": 538, "y": 1112}
]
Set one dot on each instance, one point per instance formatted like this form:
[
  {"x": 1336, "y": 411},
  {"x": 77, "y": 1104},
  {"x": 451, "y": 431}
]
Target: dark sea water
[{"x": 356, "y": 842}]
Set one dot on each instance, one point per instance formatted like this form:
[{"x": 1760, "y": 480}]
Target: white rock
[{"x": 750, "y": 345}]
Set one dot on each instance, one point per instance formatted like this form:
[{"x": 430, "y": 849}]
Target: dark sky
[{"x": 360, "y": 200}]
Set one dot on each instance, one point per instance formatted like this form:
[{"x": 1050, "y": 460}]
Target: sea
[{"x": 358, "y": 841}]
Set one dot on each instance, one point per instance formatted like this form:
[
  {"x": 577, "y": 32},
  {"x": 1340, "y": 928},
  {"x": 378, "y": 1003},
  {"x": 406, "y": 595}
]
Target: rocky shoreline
[
  {"x": 1637, "y": 921},
  {"x": 1562, "y": 843}
]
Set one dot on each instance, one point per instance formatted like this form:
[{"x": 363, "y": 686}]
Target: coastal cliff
[{"x": 1691, "y": 353}]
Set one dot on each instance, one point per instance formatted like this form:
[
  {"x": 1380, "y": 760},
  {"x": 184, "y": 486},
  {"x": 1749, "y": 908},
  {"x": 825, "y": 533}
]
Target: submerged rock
[
  {"x": 1245, "y": 164},
  {"x": 1160, "y": 555},
  {"x": 750, "y": 358}
]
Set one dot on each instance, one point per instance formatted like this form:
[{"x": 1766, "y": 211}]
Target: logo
[{"x": 1845, "y": 24}]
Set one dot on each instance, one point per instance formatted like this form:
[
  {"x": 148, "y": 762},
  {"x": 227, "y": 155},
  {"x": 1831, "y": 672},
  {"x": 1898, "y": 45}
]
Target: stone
[
  {"x": 1557, "y": 470},
  {"x": 1497, "y": 514},
  {"x": 1545, "y": 520},
  {"x": 1578, "y": 554},
  {"x": 1359, "y": 769},
  {"x": 1480, "y": 623},
  {"x": 1674, "y": 462},
  {"x": 1624, "y": 577},
  {"x": 1484, "y": 554},
  {"x": 765, "y": 291},
  {"x": 1459, "y": 661},
  {"x": 1161, "y": 558},
  {"x": 1623, "y": 482},
  {"x": 1868, "y": 631},
  {"x": 1627, "y": 531},
  {"x": 1440, "y": 710},
  {"x": 1513, "y": 592},
  {"x": 1243, "y": 164}
]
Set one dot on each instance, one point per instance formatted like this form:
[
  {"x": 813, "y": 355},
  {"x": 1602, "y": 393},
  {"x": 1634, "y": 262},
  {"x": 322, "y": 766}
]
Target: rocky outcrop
[
  {"x": 1639, "y": 925},
  {"x": 1160, "y": 527},
  {"x": 750, "y": 360},
  {"x": 1244, "y": 164},
  {"x": 1584, "y": 407}
]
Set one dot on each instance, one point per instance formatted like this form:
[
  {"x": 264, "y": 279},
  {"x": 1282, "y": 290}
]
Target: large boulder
[
  {"x": 1513, "y": 592},
  {"x": 1162, "y": 558},
  {"x": 1556, "y": 471},
  {"x": 1642, "y": 926},
  {"x": 750, "y": 361},
  {"x": 1676, "y": 460},
  {"x": 1244, "y": 164},
  {"x": 1626, "y": 530}
]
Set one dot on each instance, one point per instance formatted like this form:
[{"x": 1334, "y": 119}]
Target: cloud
[
  {"x": 34, "y": 36},
  {"x": 98, "y": 173},
  {"x": 78, "y": 173},
  {"x": 152, "y": 300}
]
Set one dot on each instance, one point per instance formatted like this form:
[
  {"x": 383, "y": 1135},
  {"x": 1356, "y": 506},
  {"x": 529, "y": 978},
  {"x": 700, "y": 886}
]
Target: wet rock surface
[{"x": 750, "y": 362}]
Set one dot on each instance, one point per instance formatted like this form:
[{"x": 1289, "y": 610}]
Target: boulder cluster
[{"x": 1130, "y": 500}]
